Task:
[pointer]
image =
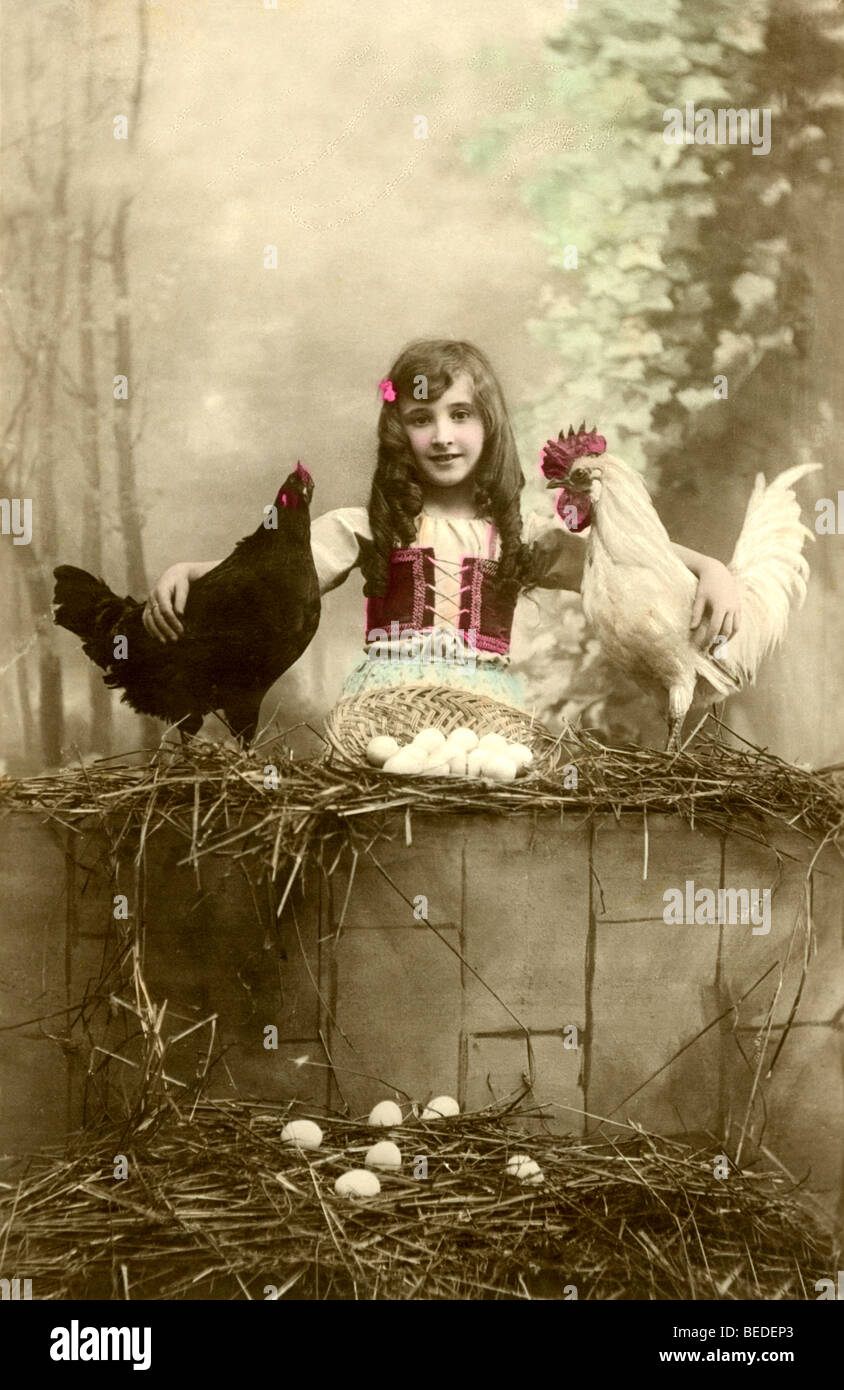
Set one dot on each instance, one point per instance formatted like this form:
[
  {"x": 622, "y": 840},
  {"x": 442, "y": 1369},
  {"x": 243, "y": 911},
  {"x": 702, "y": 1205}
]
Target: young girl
[{"x": 442, "y": 546}]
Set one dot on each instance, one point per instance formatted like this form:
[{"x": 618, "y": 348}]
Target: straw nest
[
  {"x": 224, "y": 800},
  {"x": 214, "y": 1206}
]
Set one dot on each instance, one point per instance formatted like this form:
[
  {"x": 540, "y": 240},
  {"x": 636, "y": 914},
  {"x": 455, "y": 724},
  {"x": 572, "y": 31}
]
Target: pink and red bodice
[{"x": 486, "y": 608}]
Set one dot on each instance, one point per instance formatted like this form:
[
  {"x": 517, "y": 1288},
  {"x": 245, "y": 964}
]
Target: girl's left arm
[
  {"x": 717, "y": 608},
  {"x": 559, "y": 557}
]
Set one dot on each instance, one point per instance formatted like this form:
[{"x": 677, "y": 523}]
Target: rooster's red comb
[
  {"x": 573, "y": 509},
  {"x": 559, "y": 454}
]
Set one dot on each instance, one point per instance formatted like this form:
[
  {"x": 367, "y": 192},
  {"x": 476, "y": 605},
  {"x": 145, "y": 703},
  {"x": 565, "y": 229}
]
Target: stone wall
[{"x": 536, "y": 927}]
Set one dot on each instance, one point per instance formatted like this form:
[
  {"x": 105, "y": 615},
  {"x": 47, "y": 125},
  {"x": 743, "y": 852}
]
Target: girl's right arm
[
  {"x": 335, "y": 543},
  {"x": 168, "y": 597}
]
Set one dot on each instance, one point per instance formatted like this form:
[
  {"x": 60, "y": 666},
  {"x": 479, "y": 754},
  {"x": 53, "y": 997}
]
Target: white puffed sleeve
[{"x": 335, "y": 544}]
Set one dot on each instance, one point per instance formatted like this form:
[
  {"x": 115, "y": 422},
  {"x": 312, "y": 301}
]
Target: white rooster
[{"x": 638, "y": 595}]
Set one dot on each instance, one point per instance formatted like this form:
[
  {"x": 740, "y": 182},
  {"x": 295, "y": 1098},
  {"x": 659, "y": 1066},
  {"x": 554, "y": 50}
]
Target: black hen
[{"x": 245, "y": 622}]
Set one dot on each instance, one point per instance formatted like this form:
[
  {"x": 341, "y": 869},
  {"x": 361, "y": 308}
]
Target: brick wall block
[
  {"x": 498, "y": 1064},
  {"x": 527, "y": 919},
  {"x": 653, "y": 991},
  {"x": 432, "y": 865},
  {"x": 675, "y": 853},
  {"x": 745, "y": 956},
  {"x": 395, "y": 995}
]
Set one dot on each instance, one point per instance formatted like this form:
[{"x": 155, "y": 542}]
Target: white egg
[
  {"x": 437, "y": 765},
  {"x": 405, "y": 761},
  {"x": 385, "y": 1114},
  {"x": 457, "y": 765},
  {"x": 384, "y": 1155},
  {"x": 474, "y": 761},
  {"x": 441, "y": 1108},
  {"x": 380, "y": 748},
  {"x": 303, "y": 1134},
  {"x": 525, "y": 1169},
  {"x": 519, "y": 753},
  {"x": 493, "y": 741},
  {"x": 498, "y": 767},
  {"x": 358, "y": 1182},
  {"x": 464, "y": 738},
  {"x": 428, "y": 739}
]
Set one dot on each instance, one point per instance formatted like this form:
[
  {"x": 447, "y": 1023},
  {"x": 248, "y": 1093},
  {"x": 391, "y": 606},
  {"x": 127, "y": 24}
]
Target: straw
[
  {"x": 220, "y": 1208},
  {"x": 214, "y": 1206},
  {"x": 216, "y": 797}
]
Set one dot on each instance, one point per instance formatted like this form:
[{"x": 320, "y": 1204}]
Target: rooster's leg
[
  {"x": 679, "y": 702},
  {"x": 675, "y": 733}
]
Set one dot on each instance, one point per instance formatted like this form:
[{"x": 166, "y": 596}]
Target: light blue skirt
[{"x": 490, "y": 678}]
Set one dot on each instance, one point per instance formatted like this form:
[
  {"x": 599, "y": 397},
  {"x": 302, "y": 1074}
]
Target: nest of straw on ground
[{"x": 215, "y": 1206}]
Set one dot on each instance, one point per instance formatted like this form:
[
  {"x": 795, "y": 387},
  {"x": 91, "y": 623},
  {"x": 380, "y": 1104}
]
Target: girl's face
[{"x": 446, "y": 436}]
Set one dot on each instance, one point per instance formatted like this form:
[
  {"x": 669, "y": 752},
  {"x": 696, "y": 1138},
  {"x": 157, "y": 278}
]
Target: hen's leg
[
  {"x": 679, "y": 701},
  {"x": 241, "y": 715},
  {"x": 189, "y": 726}
]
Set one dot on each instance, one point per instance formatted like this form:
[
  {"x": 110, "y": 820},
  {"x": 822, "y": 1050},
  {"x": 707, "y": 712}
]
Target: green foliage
[
  {"x": 622, "y": 322},
  {"x": 685, "y": 268}
]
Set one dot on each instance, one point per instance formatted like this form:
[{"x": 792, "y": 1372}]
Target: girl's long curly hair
[{"x": 396, "y": 496}]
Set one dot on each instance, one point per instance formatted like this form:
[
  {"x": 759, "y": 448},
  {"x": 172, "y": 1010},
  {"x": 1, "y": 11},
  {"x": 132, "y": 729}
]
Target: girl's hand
[
  {"x": 717, "y": 608},
  {"x": 167, "y": 601}
]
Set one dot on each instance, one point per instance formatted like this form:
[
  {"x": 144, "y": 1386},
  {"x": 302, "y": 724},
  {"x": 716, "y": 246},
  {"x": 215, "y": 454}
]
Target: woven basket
[{"x": 404, "y": 710}]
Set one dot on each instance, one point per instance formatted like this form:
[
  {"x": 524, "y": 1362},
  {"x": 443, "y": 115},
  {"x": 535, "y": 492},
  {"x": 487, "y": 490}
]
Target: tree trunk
[
  {"x": 28, "y": 729},
  {"x": 51, "y": 710},
  {"x": 101, "y": 727},
  {"x": 127, "y": 498},
  {"x": 127, "y": 495},
  {"x": 51, "y": 702}
]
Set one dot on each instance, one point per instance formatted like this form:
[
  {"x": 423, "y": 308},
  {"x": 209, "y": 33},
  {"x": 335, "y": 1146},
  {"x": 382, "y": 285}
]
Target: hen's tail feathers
[
  {"x": 87, "y": 607},
  {"x": 769, "y": 564}
]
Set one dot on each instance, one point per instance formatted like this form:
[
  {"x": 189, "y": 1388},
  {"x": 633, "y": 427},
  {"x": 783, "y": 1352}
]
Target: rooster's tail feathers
[
  {"x": 87, "y": 607},
  {"x": 769, "y": 564}
]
